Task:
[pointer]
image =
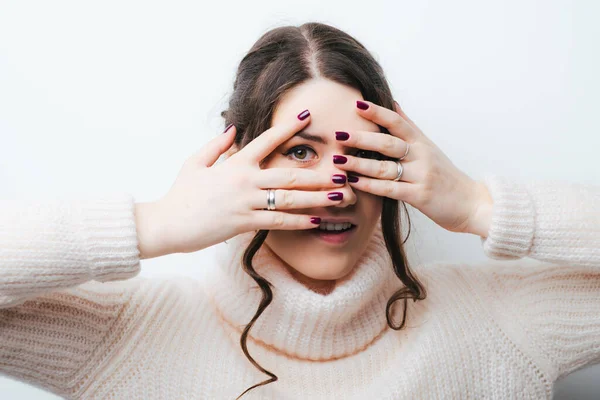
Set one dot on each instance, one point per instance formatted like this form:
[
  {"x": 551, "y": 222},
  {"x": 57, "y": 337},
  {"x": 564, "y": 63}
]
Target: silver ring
[
  {"x": 407, "y": 148},
  {"x": 270, "y": 199},
  {"x": 400, "y": 171}
]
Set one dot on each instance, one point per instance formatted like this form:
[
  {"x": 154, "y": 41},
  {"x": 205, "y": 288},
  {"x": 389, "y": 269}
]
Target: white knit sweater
[{"x": 77, "y": 321}]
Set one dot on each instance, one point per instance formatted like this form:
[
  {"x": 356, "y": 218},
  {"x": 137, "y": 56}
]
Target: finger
[
  {"x": 211, "y": 151},
  {"x": 388, "y": 145},
  {"x": 287, "y": 178},
  {"x": 278, "y": 220},
  {"x": 294, "y": 199},
  {"x": 399, "y": 110},
  {"x": 401, "y": 190},
  {"x": 389, "y": 119},
  {"x": 380, "y": 169},
  {"x": 259, "y": 148}
]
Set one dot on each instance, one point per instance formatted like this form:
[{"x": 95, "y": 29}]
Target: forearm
[{"x": 51, "y": 244}]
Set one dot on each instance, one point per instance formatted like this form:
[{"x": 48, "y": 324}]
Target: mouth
[{"x": 333, "y": 236}]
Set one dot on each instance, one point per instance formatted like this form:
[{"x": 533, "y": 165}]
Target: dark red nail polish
[
  {"x": 303, "y": 115},
  {"x": 339, "y": 178},
  {"x": 362, "y": 105},
  {"x": 341, "y": 135},
  {"x": 228, "y": 126},
  {"x": 352, "y": 178},
  {"x": 335, "y": 196},
  {"x": 339, "y": 159},
  {"x": 315, "y": 220}
]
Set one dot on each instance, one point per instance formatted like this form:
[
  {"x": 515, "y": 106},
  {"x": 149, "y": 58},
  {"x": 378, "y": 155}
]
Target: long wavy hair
[{"x": 281, "y": 59}]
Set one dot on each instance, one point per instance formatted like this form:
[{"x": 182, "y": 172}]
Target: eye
[{"x": 298, "y": 151}]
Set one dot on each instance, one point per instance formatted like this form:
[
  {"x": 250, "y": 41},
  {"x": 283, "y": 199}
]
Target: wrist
[
  {"x": 482, "y": 214},
  {"x": 150, "y": 232}
]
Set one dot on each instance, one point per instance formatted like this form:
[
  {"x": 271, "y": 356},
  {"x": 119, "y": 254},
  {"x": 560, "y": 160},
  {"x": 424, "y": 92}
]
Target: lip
[
  {"x": 333, "y": 238},
  {"x": 336, "y": 220}
]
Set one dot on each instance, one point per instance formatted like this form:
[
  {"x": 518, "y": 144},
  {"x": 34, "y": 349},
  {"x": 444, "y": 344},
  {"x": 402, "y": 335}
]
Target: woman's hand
[
  {"x": 209, "y": 203},
  {"x": 430, "y": 182}
]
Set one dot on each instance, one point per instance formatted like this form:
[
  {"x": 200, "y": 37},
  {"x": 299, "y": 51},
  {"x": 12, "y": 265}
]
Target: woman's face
[{"x": 311, "y": 260}]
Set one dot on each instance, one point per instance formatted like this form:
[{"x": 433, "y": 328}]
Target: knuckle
[
  {"x": 397, "y": 119},
  {"x": 278, "y": 220},
  {"x": 390, "y": 142},
  {"x": 382, "y": 168},
  {"x": 388, "y": 191},
  {"x": 357, "y": 140},
  {"x": 287, "y": 199},
  {"x": 291, "y": 177}
]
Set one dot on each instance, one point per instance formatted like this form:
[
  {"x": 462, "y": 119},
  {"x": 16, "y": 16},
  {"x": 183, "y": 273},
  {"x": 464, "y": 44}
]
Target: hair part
[{"x": 281, "y": 59}]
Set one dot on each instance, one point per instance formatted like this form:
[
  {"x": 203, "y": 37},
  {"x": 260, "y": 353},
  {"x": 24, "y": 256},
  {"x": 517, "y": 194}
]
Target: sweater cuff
[
  {"x": 109, "y": 235},
  {"x": 513, "y": 219}
]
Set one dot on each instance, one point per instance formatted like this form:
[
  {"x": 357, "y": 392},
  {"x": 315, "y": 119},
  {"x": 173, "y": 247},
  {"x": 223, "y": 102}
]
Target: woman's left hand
[{"x": 430, "y": 182}]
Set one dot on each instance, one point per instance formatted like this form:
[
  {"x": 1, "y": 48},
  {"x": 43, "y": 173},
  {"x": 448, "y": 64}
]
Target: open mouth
[
  {"x": 352, "y": 226},
  {"x": 333, "y": 236}
]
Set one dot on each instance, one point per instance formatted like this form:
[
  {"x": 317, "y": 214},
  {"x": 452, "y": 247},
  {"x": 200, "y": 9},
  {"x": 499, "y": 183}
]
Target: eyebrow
[{"x": 314, "y": 138}]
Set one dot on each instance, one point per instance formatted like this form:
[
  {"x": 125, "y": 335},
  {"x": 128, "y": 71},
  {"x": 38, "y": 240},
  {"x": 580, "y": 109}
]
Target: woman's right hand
[{"x": 210, "y": 203}]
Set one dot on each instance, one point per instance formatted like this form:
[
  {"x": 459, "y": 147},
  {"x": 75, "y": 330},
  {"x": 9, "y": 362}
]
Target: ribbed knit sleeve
[
  {"x": 552, "y": 221},
  {"x": 45, "y": 246},
  {"x": 56, "y": 328},
  {"x": 551, "y": 307}
]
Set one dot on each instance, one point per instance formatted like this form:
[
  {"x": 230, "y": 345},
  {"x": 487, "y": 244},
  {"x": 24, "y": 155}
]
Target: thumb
[{"x": 211, "y": 151}]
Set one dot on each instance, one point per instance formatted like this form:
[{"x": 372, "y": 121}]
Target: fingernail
[
  {"x": 352, "y": 178},
  {"x": 362, "y": 105},
  {"x": 315, "y": 220},
  {"x": 335, "y": 196},
  {"x": 302, "y": 116},
  {"x": 339, "y": 159},
  {"x": 228, "y": 126},
  {"x": 339, "y": 178},
  {"x": 341, "y": 135}
]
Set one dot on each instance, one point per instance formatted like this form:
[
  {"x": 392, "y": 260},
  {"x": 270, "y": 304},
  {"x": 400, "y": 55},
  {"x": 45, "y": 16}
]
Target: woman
[{"x": 312, "y": 118}]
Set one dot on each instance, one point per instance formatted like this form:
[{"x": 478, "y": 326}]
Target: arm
[
  {"x": 552, "y": 221},
  {"x": 56, "y": 329},
  {"x": 552, "y": 307},
  {"x": 58, "y": 244}
]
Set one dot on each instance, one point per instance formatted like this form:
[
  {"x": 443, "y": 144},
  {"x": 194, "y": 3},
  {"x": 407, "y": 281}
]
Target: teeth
[{"x": 328, "y": 226}]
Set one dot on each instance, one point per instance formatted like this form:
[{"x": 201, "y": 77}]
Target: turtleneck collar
[{"x": 300, "y": 322}]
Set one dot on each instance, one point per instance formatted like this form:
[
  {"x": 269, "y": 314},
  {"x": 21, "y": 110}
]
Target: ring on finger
[
  {"x": 270, "y": 199},
  {"x": 400, "y": 171},
  {"x": 405, "y": 154}
]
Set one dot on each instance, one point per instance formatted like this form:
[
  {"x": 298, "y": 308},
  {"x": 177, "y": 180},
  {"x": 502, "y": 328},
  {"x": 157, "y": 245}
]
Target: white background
[{"x": 114, "y": 95}]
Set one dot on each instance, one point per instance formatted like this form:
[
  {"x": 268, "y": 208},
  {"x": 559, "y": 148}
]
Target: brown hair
[{"x": 281, "y": 59}]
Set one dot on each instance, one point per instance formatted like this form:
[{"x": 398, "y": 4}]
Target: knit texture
[{"x": 76, "y": 320}]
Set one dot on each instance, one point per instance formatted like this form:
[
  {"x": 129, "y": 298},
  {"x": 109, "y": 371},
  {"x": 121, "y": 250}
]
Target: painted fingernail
[
  {"x": 302, "y": 116},
  {"x": 228, "y": 126},
  {"x": 352, "y": 178},
  {"x": 341, "y": 135},
  {"x": 339, "y": 178},
  {"x": 315, "y": 220},
  {"x": 362, "y": 105},
  {"x": 339, "y": 159},
  {"x": 335, "y": 196}
]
